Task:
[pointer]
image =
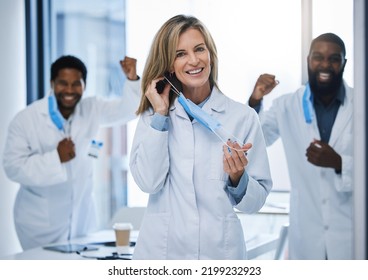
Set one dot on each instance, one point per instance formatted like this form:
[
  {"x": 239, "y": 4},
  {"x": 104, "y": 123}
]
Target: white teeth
[
  {"x": 194, "y": 71},
  {"x": 324, "y": 76}
]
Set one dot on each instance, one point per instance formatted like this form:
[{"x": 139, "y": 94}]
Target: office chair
[{"x": 133, "y": 215}]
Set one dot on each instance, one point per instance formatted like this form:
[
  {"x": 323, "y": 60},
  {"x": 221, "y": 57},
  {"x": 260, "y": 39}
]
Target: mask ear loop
[{"x": 231, "y": 138}]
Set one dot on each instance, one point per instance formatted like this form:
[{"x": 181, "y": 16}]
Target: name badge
[{"x": 95, "y": 148}]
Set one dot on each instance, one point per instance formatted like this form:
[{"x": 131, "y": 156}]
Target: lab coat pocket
[
  {"x": 153, "y": 237},
  {"x": 234, "y": 239},
  {"x": 31, "y": 209}
]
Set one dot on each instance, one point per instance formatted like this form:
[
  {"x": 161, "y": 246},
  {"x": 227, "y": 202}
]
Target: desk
[
  {"x": 98, "y": 237},
  {"x": 261, "y": 241}
]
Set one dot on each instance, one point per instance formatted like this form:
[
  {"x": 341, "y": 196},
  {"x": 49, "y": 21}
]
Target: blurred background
[{"x": 252, "y": 37}]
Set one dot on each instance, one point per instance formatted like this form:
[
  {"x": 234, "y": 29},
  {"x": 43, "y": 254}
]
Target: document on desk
[
  {"x": 107, "y": 253},
  {"x": 70, "y": 248}
]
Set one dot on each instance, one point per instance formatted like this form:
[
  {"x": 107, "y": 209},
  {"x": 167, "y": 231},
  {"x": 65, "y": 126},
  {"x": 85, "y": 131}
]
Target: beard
[{"x": 325, "y": 89}]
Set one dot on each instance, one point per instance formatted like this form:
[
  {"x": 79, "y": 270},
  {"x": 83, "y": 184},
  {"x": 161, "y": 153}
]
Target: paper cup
[{"x": 122, "y": 234}]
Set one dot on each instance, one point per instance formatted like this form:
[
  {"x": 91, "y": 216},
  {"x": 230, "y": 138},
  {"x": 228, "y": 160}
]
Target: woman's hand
[
  {"x": 235, "y": 160},
  {"x": 159, "y": 102}
]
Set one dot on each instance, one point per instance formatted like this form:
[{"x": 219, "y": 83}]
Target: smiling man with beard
[
  {"x": 48, "y": 152},
  {"x": 315, "y": 124}
]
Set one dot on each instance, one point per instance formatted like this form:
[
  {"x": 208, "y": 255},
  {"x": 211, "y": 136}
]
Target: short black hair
[
  {"x": 68, "y": 61},
  {"x": 329, "y": 37}
]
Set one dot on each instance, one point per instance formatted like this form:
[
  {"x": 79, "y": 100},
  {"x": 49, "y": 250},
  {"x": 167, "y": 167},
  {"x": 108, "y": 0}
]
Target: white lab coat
[
  {"x": 55, "y": 201},
  {"x": 190, "y": 213},
  {"x": 321, "y": 200}
]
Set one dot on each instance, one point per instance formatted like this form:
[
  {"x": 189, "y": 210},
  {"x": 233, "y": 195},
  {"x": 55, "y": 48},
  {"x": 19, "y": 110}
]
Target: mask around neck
[
  {"x": 54, "y": 112},
  {"x": 308, "y": 104}
]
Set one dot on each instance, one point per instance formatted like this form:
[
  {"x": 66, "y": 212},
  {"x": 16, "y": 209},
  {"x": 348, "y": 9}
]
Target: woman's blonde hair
[{"x": 163, "y": 52}]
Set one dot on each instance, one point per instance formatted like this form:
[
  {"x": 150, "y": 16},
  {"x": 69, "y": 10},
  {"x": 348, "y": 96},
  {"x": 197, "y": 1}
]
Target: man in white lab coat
[
  {"x": 48, "y": 151},
  {"x": 315, "y": 125}
]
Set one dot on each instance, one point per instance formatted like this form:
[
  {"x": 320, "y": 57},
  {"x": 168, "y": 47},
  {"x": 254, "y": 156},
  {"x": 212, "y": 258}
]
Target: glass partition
[{"x": 94, "y": 31}]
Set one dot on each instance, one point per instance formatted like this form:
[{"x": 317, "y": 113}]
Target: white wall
[{"x": 13, "y": 98}]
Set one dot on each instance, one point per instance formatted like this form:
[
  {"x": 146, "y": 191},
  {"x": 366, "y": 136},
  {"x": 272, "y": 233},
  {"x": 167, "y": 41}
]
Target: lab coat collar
[{"x": 216, "y": 102}]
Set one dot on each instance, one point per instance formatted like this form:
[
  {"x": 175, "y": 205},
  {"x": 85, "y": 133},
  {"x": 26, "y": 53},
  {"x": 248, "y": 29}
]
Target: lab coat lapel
[
  {"x": 312, "y": 128},
  {"x": 344, "y": 116},
  {"x": 216, "y": 103},
  {"x": 77, "y": 119},
  {"x": 179, "y": 110}
]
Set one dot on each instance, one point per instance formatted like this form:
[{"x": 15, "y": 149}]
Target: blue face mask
[
  {"x": 204, "y": 118},
  {"x": 198, "y": 114},
  {"x": 307, "y": 103},
  {"x": 55, "y": 114}
]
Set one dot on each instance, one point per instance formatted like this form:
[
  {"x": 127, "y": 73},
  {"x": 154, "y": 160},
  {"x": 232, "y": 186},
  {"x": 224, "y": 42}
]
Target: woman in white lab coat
[
  {"x": 55, "y": 200},
  {"x": 320, "y": 167},
  {"x": 194, "y": 178}
]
